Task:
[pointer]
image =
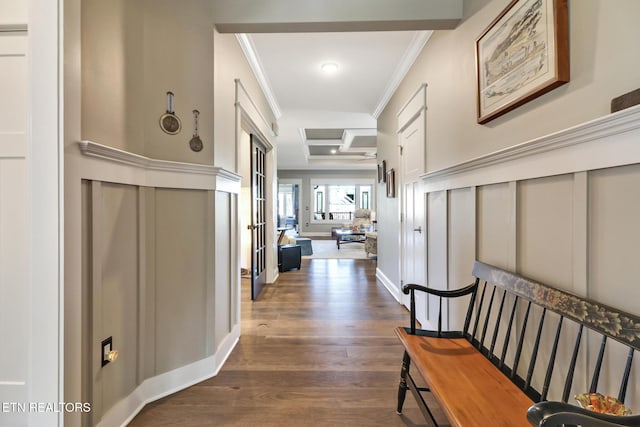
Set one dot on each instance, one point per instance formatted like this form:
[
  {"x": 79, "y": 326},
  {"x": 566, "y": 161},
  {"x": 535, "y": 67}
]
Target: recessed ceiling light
[
  {"x": 329, "y": 67},
  {"x": 333, "y": 151}
]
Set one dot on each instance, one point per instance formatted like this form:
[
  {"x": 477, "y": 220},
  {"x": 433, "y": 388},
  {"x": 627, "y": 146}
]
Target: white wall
[
  {"x": 133, "y": 53},
  {"x": 180, "y": 211},
  {"x": 564, "y": 216},
  {"x": 603, "y": 56},
  {"x": 229, "y": 65}
]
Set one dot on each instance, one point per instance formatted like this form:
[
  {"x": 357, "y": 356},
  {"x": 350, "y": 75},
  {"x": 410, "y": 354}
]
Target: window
[
  {"x": 365, "y": 190},
  {"x": 336, "y": 202}
]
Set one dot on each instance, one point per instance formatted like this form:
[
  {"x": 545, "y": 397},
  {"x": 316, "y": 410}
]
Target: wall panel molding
[
  {"x": 412, "y": 108},
  {"x": 607, "y": 141},
  {"x": 104, "y": 163}
]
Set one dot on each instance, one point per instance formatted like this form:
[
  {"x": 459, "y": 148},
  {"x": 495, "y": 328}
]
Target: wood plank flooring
[{"x": 317, "y": 349}]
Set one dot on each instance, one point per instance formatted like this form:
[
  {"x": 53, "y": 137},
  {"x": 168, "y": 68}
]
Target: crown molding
[
  {"x": 249, "y": 49},
  {"x": 410, "y": 55}
]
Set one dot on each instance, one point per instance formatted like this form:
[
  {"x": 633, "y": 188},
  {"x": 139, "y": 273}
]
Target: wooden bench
[{"x": 503, "y": 368}]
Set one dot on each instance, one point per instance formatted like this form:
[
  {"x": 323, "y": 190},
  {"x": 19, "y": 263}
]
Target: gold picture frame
[{"x": 521, "y": 55}]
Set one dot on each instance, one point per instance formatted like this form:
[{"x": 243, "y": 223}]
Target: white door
[
  {"x": 413, "y": 232},
  {"x": 413, "y": 249},
  {"x": 14, "y": 226}
]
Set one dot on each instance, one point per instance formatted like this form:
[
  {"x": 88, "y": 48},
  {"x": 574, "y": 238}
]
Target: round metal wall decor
[{"x": 169, "y": 122}]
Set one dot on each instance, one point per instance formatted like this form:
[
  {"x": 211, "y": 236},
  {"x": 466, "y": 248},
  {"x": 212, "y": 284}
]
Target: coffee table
[{"x": 349, "y": 236}]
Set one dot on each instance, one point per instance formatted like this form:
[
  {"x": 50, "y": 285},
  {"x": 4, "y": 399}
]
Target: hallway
[{"x": 317, "y": 349}]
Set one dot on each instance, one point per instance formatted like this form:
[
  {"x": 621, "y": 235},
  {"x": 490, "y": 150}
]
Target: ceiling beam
[{"x": 282, "y": 16}]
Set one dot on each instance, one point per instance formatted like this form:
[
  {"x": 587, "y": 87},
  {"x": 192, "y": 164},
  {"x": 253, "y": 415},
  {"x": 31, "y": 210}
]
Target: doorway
[{"x": 288, "y": 205}]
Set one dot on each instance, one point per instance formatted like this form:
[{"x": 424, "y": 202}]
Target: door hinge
[{"x": 401, "y": 149}]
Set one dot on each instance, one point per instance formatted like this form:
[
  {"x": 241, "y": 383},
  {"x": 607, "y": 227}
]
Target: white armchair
[
  {"x": 371, "y": 243},
  {"x": 361, "y": 219}
]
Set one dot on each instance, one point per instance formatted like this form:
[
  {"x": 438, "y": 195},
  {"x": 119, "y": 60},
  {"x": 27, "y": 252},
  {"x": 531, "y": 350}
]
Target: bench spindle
[
  {"x": 516, "y": 358},
  {"x": 552, "y": 362},
  {"x": 596, "y": 369},
  {"x": 625, "y": 378},
  {"x": 467, "y": 319},
  {"x": 413, "y": 311},
  {"x": 479, "y": 310},
  {"x": 572, "y": 366},
  {"x": 486, "y": 320},
  {"x": 534, "y": 353},
  {"x": 497, "y": 326},
  {"x": 440, "y": 318},
  {"x": 507, "y": 336}
]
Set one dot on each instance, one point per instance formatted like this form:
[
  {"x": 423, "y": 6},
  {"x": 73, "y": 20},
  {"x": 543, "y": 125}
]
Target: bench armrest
[
  {"x": 406, "y": 289},
  {"x": 411, "y": 288},
  {"x": 555, "y": 414}
]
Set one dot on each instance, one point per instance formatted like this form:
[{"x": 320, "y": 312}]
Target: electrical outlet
[{"x": 107, "y": 347}]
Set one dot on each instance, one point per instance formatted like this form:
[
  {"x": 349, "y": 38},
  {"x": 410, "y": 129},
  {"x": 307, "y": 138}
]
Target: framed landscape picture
[{"x": 522, "y": 54}]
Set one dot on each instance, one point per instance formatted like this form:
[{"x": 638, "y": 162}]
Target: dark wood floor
[{"x": 317, "y": 349}]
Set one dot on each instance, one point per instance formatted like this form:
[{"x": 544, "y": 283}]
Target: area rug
[{"x": 327, "y": 249}]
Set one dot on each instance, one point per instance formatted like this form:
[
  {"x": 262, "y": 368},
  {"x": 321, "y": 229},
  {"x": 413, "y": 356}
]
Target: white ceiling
[{"x": 370, "y": 67}]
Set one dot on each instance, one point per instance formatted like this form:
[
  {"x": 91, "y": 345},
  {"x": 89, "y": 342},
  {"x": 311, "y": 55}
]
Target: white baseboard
[
  {"x": 170, "y": 382},
  {"x": 393, "y": 289}
]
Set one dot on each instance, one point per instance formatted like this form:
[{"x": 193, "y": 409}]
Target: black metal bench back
[{"x": 500, "y": 313}]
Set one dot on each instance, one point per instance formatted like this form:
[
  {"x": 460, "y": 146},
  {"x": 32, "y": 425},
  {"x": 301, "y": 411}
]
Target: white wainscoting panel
[
  {"x": 545, "y": 229},
  {"x": 174, "y": 224},
  {"x": 437, "y": 271},
  {"x": 614, "y": 236},
  {"x": 461, "y": 248},
  {"x": 496, "y": 224},
  {"x": 562, "y": 209}
]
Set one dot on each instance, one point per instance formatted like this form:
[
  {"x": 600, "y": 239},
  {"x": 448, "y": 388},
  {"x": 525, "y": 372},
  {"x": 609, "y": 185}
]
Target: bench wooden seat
[
  {"x": 464, "y": 382},
  {"x": 494, "y": 370}
]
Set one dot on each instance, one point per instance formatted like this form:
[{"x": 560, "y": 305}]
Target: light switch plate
[{"x": 107, "y": 346}]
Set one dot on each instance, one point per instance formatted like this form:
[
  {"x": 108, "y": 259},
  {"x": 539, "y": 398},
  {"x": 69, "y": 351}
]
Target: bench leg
[{"x": 402, "y": 388}]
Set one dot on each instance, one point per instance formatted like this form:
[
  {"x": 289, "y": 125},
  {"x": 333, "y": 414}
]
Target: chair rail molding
[
  {"x": 106, "y": 163},
  {"x": 605, "y": 142}
]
